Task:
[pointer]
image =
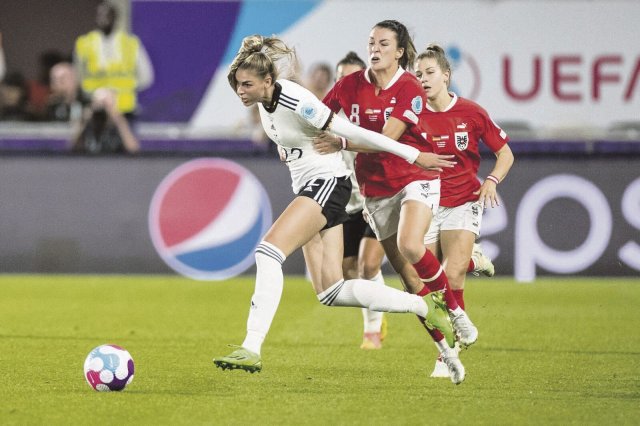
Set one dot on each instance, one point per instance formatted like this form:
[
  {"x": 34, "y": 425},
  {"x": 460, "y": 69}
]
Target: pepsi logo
[{"x": 207, "y": 217}]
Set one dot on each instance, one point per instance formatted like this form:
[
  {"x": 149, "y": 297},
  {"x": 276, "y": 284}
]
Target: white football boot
[
  {"x": 484, "y": 265},
  {"x": 455, "y": 369},
  {"x": 466, "y": 332}
]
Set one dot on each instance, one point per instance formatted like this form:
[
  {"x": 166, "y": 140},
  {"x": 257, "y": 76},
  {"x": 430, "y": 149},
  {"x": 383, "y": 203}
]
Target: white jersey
[
  {"x": 293, "y": 119},
  {"x": 356, "y": 202}
]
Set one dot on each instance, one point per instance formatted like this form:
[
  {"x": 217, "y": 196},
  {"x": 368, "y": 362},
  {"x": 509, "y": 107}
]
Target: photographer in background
[
  {"x": 66, "y": 101},
  {"x": 104, "y": 129}
]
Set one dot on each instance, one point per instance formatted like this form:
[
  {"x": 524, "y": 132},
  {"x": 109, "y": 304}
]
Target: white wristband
[
  {"x": 493, "y": 179},
  {"x": 343, "y": 141}
]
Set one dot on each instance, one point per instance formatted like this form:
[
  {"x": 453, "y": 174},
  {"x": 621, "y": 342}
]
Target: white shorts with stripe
[
  {"x": 467, "y": 216},
  {"x": 384, "y": 212}
]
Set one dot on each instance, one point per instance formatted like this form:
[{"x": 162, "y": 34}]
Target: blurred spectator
[
  {"x": 320, "y": 79},
  {"x": 38, "y": 89},
  {"x": 104, "y": 129},
  {"x": 113, "y": 59},
  {"x": 13, "y": 97},
  {"x": 3, "y": 64},
  {"x": 66, "y": 100}
]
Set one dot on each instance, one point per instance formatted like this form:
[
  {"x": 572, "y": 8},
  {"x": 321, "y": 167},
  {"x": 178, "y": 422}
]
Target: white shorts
[
  {"x": 383, "y": 213},
  {"x": 467, "y": 217}
]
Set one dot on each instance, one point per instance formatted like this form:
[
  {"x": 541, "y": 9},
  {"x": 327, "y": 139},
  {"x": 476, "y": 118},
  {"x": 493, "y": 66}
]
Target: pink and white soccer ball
[{"x": 108, "y": 368}]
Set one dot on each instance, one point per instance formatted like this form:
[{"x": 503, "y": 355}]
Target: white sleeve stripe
[{"x": 409, "y": 115}]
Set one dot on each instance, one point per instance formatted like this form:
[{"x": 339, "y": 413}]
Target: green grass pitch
[{"x": 559, "y": 351}]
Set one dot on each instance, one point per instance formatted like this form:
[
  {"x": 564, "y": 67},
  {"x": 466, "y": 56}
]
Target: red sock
[
  {"x": 435, "y": 334},
  {"x": 472, "y": 266},
  {"x": 459, "y": 295},
  {"x": 429, "y": 269}
]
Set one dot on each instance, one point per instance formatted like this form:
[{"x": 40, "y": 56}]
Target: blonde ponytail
[{"x": 266, "y": 56}]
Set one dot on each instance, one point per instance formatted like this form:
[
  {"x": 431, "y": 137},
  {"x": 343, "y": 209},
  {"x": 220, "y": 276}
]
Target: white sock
[
  {"x": 442, "y": 346},
  {"x": 266, "y": 295},
  {"x": 365, "y": 294},
  {"x": 373, "y": 319},
  {"x": 457, "y": 311}
]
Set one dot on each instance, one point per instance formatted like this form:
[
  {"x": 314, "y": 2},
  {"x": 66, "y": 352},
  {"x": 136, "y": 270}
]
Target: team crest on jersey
[
  {"x": 416, "y": 104},
  {"x": 462, "y": 140},
  {"x": 308, "y": 111}
]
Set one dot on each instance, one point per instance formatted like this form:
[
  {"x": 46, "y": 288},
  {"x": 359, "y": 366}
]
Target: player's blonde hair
[
  {"x": 266, "y": 56},
  {"x": 434, "y": 51}
]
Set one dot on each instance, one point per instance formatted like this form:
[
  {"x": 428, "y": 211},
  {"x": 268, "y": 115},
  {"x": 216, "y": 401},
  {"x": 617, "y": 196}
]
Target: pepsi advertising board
[
  {"x": 202, "y": 218},
  {"x": 207, "y": 217}
]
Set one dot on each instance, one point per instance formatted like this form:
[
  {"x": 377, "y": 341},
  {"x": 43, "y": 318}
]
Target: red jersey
[
  {"x": 383, "y": 174},
  {"x": 458, "y": 130}
]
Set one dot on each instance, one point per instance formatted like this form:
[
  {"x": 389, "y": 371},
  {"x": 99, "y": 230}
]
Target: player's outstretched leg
[
  {"x": 431, "y": 309},
  {"x": 240, "y": 359},
  {"x": 482, "y": 264}
]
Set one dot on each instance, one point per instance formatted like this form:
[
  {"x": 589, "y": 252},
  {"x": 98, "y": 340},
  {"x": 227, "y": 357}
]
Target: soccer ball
[{"x": 108, "y": 368}]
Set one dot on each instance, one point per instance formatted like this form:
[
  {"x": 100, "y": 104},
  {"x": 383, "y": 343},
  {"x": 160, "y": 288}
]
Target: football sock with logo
[
  {"x": 373, "y": 319},
  {"x": 433, "y": 276},
  {"x": 266, "y": 295},
  {"x": 366, "y": 294}
]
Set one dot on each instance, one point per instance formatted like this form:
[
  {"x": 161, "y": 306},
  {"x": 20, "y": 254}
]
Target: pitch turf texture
[{"x": 560, "y": 351}]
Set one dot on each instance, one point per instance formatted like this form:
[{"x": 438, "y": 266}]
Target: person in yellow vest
[{"x": 113, "y": 59}]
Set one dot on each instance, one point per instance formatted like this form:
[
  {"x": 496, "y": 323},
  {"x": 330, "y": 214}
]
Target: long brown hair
[{"x": 404, "y": 41}]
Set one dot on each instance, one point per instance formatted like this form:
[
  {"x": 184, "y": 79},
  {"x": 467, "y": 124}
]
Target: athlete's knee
[
  {"x": 411, "y": 250},
  {"x": 368, "y": 270}
]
